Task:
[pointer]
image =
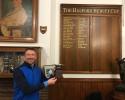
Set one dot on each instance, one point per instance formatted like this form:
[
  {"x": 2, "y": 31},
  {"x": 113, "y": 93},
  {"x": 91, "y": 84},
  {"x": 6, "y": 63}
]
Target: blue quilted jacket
[{"x": 27, "y": 82}]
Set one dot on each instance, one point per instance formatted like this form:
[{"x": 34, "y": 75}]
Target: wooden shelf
[
  {"x": 13, "y": 56},
  {"x": 6, "y": 75}
]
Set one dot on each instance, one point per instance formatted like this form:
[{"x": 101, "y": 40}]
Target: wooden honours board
[{"x": 86, "y": 30}]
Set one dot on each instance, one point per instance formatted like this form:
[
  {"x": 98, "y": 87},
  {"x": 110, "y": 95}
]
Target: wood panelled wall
[
  {"x": 6, "y": 90},
  {"x": 67, "y": 89},
  {"x": 79, "y": 89}
]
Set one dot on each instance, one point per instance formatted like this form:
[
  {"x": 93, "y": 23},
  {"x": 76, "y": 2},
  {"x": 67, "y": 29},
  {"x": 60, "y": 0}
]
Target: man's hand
[{"x": 52, "y": 81}]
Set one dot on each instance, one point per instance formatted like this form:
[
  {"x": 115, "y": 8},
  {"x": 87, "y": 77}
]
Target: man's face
[{"x": 30, "y": 56}]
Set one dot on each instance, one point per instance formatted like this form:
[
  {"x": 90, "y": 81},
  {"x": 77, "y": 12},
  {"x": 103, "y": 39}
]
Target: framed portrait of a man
[{"x": 18, "y": 20}]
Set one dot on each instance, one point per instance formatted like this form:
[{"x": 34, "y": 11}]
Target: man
[
  {"x": 29, "y": 79},
  {"x": 14, "y": 19}
]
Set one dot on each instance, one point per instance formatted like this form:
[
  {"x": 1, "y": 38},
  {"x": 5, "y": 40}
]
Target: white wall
[
  {"x": 57, "y": 16},
  {"x": 116, "y": 2},
  {"x": 44, "y": 19},
  {"x": 49, "y": 15},
  {"x": 56, "y": 20}
]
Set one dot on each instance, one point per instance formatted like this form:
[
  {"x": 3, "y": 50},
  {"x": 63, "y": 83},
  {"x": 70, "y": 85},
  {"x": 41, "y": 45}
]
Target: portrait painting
[{"x": 18, "y": 20}]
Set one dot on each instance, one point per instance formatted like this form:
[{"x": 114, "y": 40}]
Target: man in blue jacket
[{"x": 29, "y": 79}]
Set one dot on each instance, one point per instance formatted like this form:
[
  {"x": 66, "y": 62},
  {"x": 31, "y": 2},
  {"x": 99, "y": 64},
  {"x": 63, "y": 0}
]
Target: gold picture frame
[{"x": 18, "y": 24}]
